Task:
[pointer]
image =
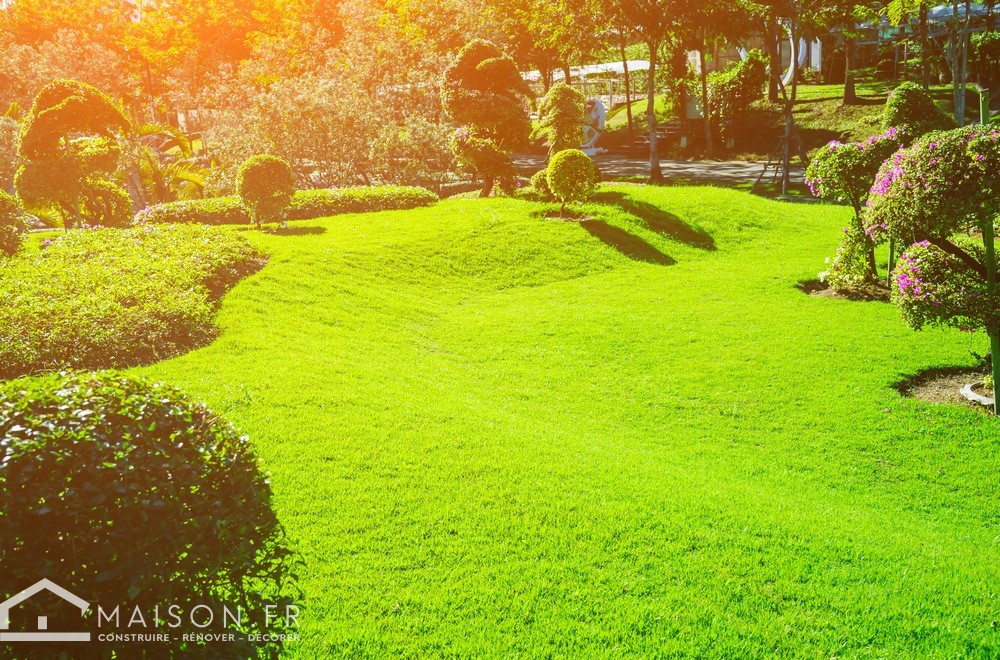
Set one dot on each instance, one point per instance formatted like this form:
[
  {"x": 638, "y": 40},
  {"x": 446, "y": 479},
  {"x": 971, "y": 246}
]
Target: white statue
[{"x": 594, "y": 116}]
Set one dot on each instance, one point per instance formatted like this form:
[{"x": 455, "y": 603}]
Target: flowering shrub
[
  {"x": 265, "y": 184},
  {"x": 561, "y": 118},
  {"x": 845, "y": 172},
  {"x": 131, "y": 493},
  {"x": 12, "y": 226},
  {"x": 937, "y": 288},
  {"x": 572, "y": 176},
  {"x": 115, "y": 298},
  {"x": 911, "y": 111},
  {"x": 932, "y": 189}
]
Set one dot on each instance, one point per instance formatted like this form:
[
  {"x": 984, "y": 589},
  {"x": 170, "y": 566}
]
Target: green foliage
[
  {"x": 416, "y": 154},
  {"x": 910, "y": 110},
  {"x": 266, "y": 185},
  {"x": 106, "y": 203},
  {"x": 986, "y": 52},
  {"x": 305, "y": 205},
  {"x": 572, "y": 176},
  {"x": 9, "y": 131},
  {"x": 68, "y": 151},
  {"x": 160, "y": 501},
  {"x": 730, "y": 92},
  {"x": 483, "y": 93},
  {"x": 482, "y": 157},
  {"x": 12, "y": 225},
  {"x": 561, "y": 118},
  {"x": 114, "y": 298},
  {"x": 540, "y": 184}
]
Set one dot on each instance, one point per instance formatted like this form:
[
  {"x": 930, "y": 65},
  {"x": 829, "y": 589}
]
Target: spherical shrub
[
  {"x": 129, "y": 494},
  {"x": 911, "y": 110},
  {"x": 266, "y": 185},
  {"x": 572, "y": 176},
  {"x": 540, "y": 184},
  {"x": 12, "y": 225}
]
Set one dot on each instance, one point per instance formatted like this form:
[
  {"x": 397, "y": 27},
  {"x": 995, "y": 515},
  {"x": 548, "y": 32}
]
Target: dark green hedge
[{"x": 306, "y": 205}]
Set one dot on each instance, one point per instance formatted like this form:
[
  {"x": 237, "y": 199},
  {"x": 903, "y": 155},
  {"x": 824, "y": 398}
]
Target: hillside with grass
[{"x": 492, "y": 431}]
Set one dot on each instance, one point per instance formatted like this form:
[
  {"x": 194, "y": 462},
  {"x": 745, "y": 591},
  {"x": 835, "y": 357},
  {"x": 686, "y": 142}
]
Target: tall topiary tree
[
  {"x": 940, "y": 197},
  {"x": 69, "y": 153},
  {"x": 483, "y": 92},
  {"x": 561, "y": 118},
  {"x": 845, "y": 172},
  {"x": 911, "y": 111}
]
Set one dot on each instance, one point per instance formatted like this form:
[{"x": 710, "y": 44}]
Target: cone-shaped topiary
[{"x": 561, "y": 118}]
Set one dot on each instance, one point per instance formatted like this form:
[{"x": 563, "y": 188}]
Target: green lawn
[{"x": 493, "y": 434}]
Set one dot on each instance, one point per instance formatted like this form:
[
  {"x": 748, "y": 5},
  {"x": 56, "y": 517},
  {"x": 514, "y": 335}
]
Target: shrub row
[
  {"x": 305, "y": 205},
  {"x": 115, "y": 298}
]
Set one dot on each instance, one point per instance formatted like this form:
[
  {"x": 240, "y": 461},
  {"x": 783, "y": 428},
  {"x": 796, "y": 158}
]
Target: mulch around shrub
[
  {"x": 869, "y": 293},
  {"x": 944, "y": 385}
]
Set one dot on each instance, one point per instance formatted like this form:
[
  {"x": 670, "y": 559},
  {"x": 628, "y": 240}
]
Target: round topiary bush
[
  {"x": 911, "y": 110},
  {"x": 128, "y": 494},
  {"x": 266, "y": 185},
  {"x": 12, "y": 225},
  {"x": 540, "y": 184},
  {"x": 572, "y": 176}
]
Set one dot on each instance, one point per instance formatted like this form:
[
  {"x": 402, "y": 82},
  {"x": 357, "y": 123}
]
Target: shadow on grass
[
  {"x": 867, "y": 293},
  {"x": 658, "y": 220},
  {"x": 628, "y": 244},
  {"x": 295, "y": 231}
]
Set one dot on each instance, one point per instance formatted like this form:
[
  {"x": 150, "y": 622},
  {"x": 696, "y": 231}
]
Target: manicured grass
[{"x": 494, "y": 434}]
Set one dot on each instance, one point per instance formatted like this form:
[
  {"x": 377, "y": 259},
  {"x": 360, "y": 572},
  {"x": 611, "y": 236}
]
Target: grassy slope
[{"x": 496, "y": 434}]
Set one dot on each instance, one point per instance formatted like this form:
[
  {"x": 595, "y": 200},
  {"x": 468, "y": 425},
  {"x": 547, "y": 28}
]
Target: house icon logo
[{"x": 42, "y": 635}]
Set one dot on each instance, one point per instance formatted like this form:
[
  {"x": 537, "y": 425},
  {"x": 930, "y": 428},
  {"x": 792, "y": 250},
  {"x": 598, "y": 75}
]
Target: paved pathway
[{"x": 619, "y": 165}]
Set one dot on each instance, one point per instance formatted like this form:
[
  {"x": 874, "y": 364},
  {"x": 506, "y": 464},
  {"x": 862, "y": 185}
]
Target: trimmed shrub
[
  {"x": 106, "y": 204},
  {"x": 561, "y": 118},
  {"x": 266, "y": 185},
  {"x": 159, "y": 502},
  {"x": 305, "y": 205},
  {"x": 116, "y": 298},
  {"x": 309, "y": 204},
  {"x": 540, "y": 184},
  {"x": 911, "y": 111},
  {"x": 12, "y": 225},
  {"x": 572, "y": 176}
]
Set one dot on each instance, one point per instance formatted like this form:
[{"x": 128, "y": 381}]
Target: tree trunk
[
  {"x": 994, "y": 332},
  {"x": 566, "y": 74},
  {"x": 705, "y": 110},
  {"x": 655, "y": 173},
  {"x": 774, "y": 63},
  {"x": 628, "y": 92},
  {"x": 925, "y": 70},
  {"x": 488, "y": 182},
  {"x": 786, "y": 156},
  {"x": 851, "y": 50}
]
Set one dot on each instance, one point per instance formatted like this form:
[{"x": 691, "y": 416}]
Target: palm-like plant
[{"x": 164, "y": 165}]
